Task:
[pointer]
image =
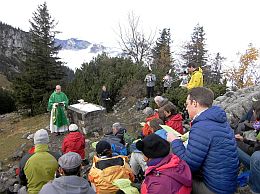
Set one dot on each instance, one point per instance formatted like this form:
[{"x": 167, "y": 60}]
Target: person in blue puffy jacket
[{"x": 211, "y": 152}]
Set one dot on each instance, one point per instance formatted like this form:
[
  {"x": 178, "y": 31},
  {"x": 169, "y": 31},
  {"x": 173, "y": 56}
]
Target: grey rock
[
  {"x": 26, "y": 135},
  {"x": 30, "y": 136},
  {"x": 238, "y": 103},
  {"x": 17, "y": 154}
]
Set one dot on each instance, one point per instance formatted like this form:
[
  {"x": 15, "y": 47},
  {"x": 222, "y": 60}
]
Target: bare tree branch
[{"x": 133, "y": 41}]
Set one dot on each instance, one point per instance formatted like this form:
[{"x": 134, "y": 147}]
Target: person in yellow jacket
[
  {"x": 107, "y": 168},
  {"x": 196, "y": 79}
]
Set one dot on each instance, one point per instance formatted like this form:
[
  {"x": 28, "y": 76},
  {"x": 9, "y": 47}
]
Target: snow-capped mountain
[
  {"x": 72, "y": 44},
  {"x": 74, "y": 52}
]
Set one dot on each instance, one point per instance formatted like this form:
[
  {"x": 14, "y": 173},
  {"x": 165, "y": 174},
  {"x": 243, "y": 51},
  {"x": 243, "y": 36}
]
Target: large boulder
[{"x": 237, "y": 103}]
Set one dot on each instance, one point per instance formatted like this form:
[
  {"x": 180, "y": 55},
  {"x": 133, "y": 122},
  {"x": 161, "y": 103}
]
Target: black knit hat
[
  {"x": 102, "y": 147},
  {"x": 153, "y": 146}
]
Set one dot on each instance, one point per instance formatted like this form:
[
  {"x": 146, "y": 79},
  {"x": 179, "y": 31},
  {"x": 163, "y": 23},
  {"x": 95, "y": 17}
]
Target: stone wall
[{"x": 237, "y": 103}]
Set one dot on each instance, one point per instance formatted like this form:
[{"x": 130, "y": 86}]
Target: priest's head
[{"x": 58, "y": 89}]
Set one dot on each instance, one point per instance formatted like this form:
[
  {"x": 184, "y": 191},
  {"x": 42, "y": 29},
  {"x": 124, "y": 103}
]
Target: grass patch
[
  {"x": 4, "y": 83},
  {"x": 14, "y": 128}
]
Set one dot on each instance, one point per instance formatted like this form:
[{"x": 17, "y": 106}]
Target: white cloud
[{"x": 230, "y": 25}]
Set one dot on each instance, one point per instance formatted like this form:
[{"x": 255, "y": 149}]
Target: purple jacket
[{"x": 170, "y": 176}]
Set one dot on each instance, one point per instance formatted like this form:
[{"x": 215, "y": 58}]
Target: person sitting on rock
[
  {"x": 211, "y": 150},
  {"x": 155, "y": 125},
  {"x": 115, "y": 137},
  {"x": 249, "y": 153},
  {"x": 149, "y": 112},
  {"x": 107, "y": 168},
  {"x": 246, "y": 122},
  {"x": 249, "y": 146},
  {"x": 172, "y": 118},
  {"x": 40, "y": 167},
  {"x": 166, "y": 172},
  {"x": 70, "y": 180},
  {"x": 74, "y": 142}
]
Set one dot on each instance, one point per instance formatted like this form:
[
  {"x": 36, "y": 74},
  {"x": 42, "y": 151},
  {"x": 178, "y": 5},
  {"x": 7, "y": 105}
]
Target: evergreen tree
[
  {"x": 195, "y": 50},
  {"x": 162, "y": 51},
  {"x": 43, "y": 70},
  {"x": 113, "y": 72},
  {"x": 216, "y": 67}
]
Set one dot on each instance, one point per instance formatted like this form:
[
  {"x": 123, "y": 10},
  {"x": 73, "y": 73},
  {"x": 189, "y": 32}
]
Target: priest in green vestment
[{"x": 58, "y": 102}]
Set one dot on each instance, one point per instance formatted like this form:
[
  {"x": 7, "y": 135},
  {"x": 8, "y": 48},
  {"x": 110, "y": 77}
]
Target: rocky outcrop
[
  {"x": 237, "y": 103},
  {"x": 13, "y": 43}
]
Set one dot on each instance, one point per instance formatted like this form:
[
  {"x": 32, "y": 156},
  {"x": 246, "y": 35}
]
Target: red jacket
[
  {"x": 175, "y": 122},
  {"x": 74, "y": 142},
  {"x": 146, "y": 128}
]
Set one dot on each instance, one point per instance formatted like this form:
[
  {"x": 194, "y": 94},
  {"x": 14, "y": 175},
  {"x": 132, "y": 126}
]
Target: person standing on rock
[
  {"x": 196, "y": 79},
  {"x": 150, "y": 83},
  {"x": 167, "y": 81},
  {"x": 58, "y": 102}
]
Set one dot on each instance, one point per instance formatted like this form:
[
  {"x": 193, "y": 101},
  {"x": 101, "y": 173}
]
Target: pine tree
[
  {"x": 195, "y": 49},
  {"x": 43, "y": 70},
  {"x": 162, "y": 57},
  {"x": 216, "y": 67}
]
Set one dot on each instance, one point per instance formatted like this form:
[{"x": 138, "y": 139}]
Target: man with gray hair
[
  {"x": 119, "y": 132},
  {"x": 70, "y": 180},
  {"x": 160, "y": 101}
]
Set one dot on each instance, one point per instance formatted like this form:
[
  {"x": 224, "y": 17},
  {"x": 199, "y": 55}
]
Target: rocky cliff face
[
  {"x": 236, "y": 104},
  {"x": 13, "y": 43}
]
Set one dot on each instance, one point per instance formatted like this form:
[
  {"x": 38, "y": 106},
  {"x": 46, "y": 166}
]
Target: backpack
[{"x": 119, "y": 149}]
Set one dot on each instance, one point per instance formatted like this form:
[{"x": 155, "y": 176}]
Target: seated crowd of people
[{"x": 158, "y": 161}]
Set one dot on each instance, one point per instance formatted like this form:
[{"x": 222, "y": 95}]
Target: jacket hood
[
  {"x": 75, "y": 136},
  {"x": 177, "y": 117},
  {"x": 213, "y": 113},
  {"x": 71, "y": 184},
  {"x": 173, "y": 167}
]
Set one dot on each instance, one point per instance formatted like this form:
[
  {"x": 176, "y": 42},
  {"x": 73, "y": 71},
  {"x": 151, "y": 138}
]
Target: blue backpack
[{"x": 119, "y": 149}]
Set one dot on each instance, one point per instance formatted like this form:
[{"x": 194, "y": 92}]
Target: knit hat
[
  {"x": 73, "y": 127},
  {"x": 153, "y": 146},
  {"x": 148, "y": 111},
  {"x": 102, "y": 147},
  {"x": 125, "y": 185},
  {"x": 41, "y": 137},
  {"x": 70, "y": 160}
]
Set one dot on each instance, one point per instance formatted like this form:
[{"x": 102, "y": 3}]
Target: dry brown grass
[
  {"x": 14, "y": 128},
  {"x": 4, "y": 83}
]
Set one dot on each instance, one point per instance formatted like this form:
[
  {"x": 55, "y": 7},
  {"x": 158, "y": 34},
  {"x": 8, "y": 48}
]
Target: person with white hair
[
  {"x": 119, "y": 132},
  {"x": 41, "y": 166},
  {"x": 58, "y": 102},
  {"x": 70, "y": 180},
  {"x": 160, "y": 101}
]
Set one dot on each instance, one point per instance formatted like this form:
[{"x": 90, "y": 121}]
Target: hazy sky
[{"x": 230, "y": 25}]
